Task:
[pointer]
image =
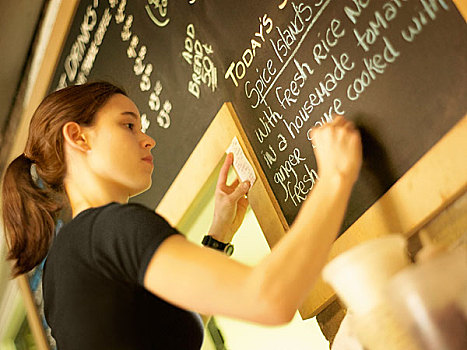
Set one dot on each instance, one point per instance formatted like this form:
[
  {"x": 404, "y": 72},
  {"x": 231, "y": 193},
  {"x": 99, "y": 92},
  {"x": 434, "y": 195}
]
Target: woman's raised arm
[{"x": 208, "y": 282}]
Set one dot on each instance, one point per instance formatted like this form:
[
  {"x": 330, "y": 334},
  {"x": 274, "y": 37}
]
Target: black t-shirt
[{"x": 93, "y": 284}]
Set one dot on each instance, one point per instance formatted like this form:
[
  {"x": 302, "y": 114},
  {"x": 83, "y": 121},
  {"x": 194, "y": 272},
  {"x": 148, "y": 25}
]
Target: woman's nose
[{"x": 149, "y": 142}]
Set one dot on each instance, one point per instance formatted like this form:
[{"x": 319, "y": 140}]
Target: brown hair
[{"x": 30, "y": 207}]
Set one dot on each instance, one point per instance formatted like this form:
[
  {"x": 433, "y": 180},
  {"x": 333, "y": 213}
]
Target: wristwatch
[{"x": 213, "y": 243}]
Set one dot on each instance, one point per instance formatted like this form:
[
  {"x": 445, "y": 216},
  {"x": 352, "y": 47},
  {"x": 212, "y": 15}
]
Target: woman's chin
[{"x": 141, "y": 189}]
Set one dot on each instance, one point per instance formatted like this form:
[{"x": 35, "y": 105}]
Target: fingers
[
  {"x": 346, "y": 124},
  {"x": 234, "y": 184},
  {"x": 240, "y": 191},
  {"x": 222, "y": 180},
  {"x": 242, "y": 206},
  {"x": 338, "y": 121}
]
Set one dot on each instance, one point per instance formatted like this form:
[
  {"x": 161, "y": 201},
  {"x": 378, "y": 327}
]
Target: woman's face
[{"x": 120, "y": 153}]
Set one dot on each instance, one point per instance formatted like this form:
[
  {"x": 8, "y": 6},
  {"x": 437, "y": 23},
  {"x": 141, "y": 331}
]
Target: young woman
[{"x": 117, "y": 276}]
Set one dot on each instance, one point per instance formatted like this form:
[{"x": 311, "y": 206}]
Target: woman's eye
[{"x": 131, "y": 125}]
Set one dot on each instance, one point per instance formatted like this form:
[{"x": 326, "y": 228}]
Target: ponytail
[
  {"x": 33, "y": 190},
  {"x": 29, "y": 211}
]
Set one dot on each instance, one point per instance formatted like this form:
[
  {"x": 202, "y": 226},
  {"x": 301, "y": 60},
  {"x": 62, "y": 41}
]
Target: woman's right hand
[{"x": 338, "y": 150}]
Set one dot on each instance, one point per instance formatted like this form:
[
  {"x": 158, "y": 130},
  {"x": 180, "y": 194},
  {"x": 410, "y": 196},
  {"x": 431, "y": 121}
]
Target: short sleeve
[{"x": 124, "y": 239}]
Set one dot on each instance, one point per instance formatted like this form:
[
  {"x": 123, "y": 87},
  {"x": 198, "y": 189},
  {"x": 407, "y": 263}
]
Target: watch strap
[{"x": 213, "y": 243}]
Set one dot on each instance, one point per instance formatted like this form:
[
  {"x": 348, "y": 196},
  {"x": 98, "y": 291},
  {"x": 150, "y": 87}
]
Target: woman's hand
[
  {"x": 230, "y": 204},
  {"x": 338, "y": 150}
]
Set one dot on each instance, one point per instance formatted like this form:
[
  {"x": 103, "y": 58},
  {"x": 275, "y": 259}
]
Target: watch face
[{"x": 229, "y": 249}]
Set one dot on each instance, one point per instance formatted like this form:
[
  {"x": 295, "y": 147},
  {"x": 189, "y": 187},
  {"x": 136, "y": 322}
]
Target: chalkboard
[{"x": 396, "y": 68}]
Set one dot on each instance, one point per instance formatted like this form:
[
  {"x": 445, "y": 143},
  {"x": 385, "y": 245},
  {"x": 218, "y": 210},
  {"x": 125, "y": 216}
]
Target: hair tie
[{"x": 34, "y": 175}]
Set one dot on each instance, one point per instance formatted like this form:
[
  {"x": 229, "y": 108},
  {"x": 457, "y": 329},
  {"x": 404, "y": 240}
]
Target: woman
[{"x": 117, "y": 276}]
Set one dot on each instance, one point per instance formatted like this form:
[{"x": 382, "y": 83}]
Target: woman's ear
[{"x": 75, "y": 137}]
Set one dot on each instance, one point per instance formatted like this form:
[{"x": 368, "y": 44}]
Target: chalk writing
[
  {"x": 143, "y": 69},
  {"x": 377, "y": 25},
  {"x": 336, "y": 107},
  {"x": 198, "y": 55},
  {"x": 285, "y": 97},
  {"x": 285, "y": 46},
  {"x": 270, "y": 156},
  {"x": 421, "y": 19},
  {"x": 268, "y": 121},
  {"x": 163, "y": 118},
  {"x": 154, "y": 100},
  {"x": 261, "y": 84},
  {"x": 320, "y": 53},
  {"x": 331, "y": 38},
  {"x": 144, "y": 123},
  {"x": 322, "y": 6},
  {"x": 317, "y": 96},
  {"x": 93, "y": 50},
  {"x": 126, "y": 33},
  {"x": 288, "y": 36},
  {"x": 282, "y": 144},
  {"x": 158, "y": 12},
  {"x": 294, "y": 127},
  {"x": 241, "y": 66},
  {"x": 373, "y": 66},
  {"x": 78, "y": 48},
  {"x": 286, "y": 175},
  {"x": 120, "y": 16}
]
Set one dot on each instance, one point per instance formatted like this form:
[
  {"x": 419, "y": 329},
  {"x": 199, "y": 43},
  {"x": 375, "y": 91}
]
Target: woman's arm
[{"x": 208, "y": 282}]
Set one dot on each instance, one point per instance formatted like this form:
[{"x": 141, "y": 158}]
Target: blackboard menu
[{"x": 396, "y": 68}]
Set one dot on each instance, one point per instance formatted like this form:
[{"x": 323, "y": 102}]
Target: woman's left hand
[{"x": 230, "y": 204}]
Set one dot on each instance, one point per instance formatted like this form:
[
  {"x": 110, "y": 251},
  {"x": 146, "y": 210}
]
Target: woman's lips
[{"x": 149, "y": 160}]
